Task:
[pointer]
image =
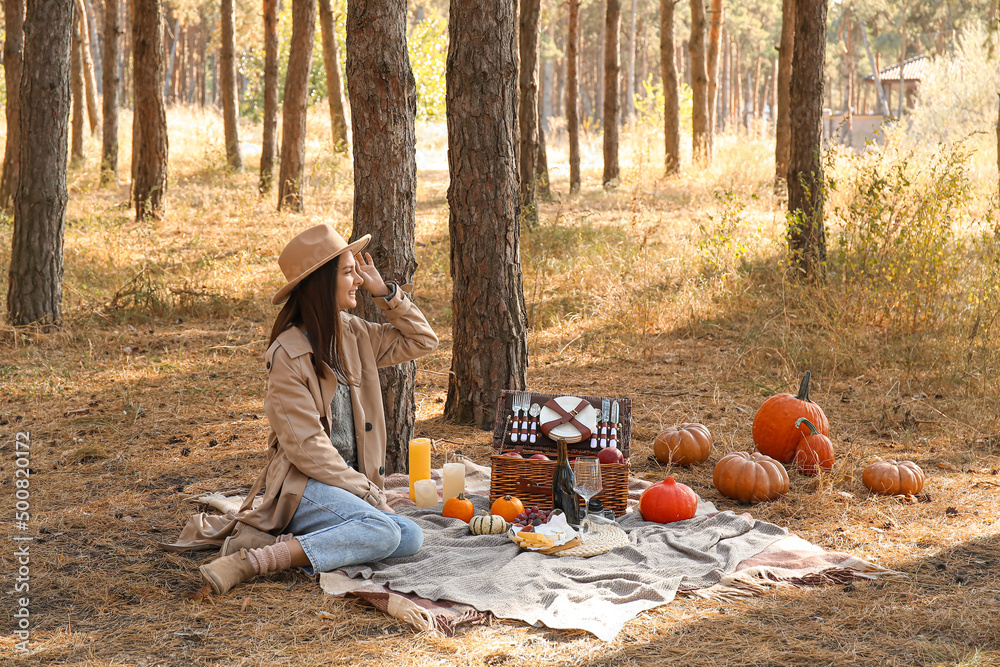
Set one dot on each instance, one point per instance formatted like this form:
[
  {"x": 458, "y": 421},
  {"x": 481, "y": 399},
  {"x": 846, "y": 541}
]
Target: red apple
[
  {"x": 539, "y": 457},
  {"x": 514, "y": 455},
  {"x": 611, "y": 455}
]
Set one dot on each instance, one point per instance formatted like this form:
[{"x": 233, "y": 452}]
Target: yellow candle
[
  {"x": 420, "y": 461},
  {"x": 454, "y": 479},
  {"x": 426, "y": 492}
]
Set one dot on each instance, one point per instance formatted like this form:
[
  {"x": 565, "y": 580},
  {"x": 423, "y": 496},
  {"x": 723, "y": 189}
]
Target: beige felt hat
[{"x": 310, "y": 250}]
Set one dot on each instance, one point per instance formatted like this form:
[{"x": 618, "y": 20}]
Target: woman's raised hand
[{"x": 373, "y": 281}]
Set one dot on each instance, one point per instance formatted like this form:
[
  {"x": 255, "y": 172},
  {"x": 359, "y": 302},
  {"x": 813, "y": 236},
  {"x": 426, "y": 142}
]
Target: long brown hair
[{"x": 313, "y": 305}]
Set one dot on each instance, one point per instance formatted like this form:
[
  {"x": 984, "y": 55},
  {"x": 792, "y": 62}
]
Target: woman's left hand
[{"x": 373, "y": 281}]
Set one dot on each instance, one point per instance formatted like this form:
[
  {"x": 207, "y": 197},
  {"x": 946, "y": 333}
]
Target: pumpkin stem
[
  {"x": 808, "y": 423},
  {"x": 803, "y": 394}
]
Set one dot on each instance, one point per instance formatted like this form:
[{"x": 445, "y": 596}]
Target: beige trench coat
[{"x": 298, "y": 409}]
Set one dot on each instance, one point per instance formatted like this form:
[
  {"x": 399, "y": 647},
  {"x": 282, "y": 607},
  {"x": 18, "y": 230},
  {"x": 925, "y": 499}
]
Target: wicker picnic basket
[{"x": 530, "y": 480}]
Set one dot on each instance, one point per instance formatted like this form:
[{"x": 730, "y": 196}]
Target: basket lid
[{"x": 568, "y": 418}]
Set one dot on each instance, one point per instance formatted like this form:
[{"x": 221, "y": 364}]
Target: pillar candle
[
  {"x": 426, "y": 492},
  {"x": 454, "y": 479},
  {"x": 420, "y": 461}
]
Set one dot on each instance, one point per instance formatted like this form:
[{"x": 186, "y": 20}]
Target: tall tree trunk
[
  {"x": 79, "y": 101},
  {"x": 112, "y": 86},
  {"x": 270, "y": 132},
  {"x": 527, "y": 111},
  {"x": 876, "y": 73},
  {"x": 807, "y": 240},
  {"x": 783, "y": 127},
  {"x": 599, "y": 71},
  {"x": 758, "y": 101},
  {"x": 87, "y": 65},
  {"x": 542, "y": 164},
  {"x": 150, "y": 125},
  {"x": 671, "y": 90},
  {"x": 384, "y": 107},
  {"x": 629, "y": 109},
  {"x": 490, "y": 351},
  {"x": 293, "y": 117},
  {"x": 572, "y": 93},
  {"x": 701, "y": 141},
  {"x": 722, "y": 110},
  {"x": 334, "y": 88},
  {"x": 13, "y": 61},
  {"x": 612, "y": 71},
  {"x": 230, "y": 105},
  {"x": 34, "y": 287},
  {"x": 714, "y": 36},
  {"x": 774, "y": 94}
]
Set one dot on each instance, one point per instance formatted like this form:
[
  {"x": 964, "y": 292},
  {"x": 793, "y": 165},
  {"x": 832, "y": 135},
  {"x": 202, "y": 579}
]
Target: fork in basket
[{"x": 518, "y": 404}]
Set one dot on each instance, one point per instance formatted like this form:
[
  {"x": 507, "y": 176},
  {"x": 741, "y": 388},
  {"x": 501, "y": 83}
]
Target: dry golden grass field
[{"x": 672, "y": 292}]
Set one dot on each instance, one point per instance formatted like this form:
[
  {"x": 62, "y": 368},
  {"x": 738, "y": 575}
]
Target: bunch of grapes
[{"x": 532, "y": 517}]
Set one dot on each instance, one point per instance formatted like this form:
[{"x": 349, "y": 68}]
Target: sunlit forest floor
[{"x": 673, "y": 292}]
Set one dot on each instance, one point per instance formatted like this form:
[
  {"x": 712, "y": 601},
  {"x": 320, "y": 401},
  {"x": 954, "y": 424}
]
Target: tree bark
[
  {"x": 629, "y": 109},
  {"x": 572, "y": 95},
  {"x": 714, "y": 35},
  {"x": 34, "y": 292},
  {"x": 230, "y": 106},
  {"x": 334, "y": 87},
  {"x": 293, "y": 116},
  {"x": 150, "y": 127},
  {"x": 13, "y": 61},
  {"x": 701, "y": 141},
  {"x": 383, "y": 98},
  {"x": 270, "y": 130},
  {"x": 612, "y": 71},
  {"x": 782, "y": 127},
  {"x": 807, "y": 240},
  {"x": 79, "y": 110},
  {"x": 111, "y": 83},
  {"x": 490, "y": 339},
  {"x": 671, "y": 90},
  {"x": 87, "y": 65},
  {"x": 544, "y": 192},
  {"x": 527, "y": 111}
]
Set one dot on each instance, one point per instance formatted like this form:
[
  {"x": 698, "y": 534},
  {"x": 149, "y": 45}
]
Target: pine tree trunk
[
  {"x": 701, "y": 142},
  {"x": 293, "y": 116},
  {"x": 34, "y": 288},
  {"x": 527, "y": 112},
  {"x": 612, "y": 71},
  {"x": 807, "y": 240},
  {"x": 112, "y": 85},
  {"x": 572, "y": 94},
  {"x": 13, "y": 60},
  {"x": 629, "y": 108},
  {"x": 150, "y": 125},
  {"x": 783, "y": 127},
  {"x": 270, "y": 131},
  {"x": 334, "y": 87},
  {"x": 79, "y": 110},
  {"x": 230, "y": 106},
  {"x": 671, "y": 90},
  {"x": 87, "y": 65},
  {"x": 714, "y": 35},
  {"x": 542, "y": 164},
  {"x": 384, "y": 107},
  {"x": 489, "y": 351}
]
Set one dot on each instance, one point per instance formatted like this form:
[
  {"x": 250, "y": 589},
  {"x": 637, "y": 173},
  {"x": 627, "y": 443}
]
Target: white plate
[{"x": 587, "y": 417}]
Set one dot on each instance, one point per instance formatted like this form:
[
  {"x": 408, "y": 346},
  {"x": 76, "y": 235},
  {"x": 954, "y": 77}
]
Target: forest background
[{"x": 673, "y": 291}]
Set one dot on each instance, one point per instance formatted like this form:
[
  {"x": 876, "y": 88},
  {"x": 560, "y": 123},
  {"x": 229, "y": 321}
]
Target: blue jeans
[{"x": 336, "y": 529}]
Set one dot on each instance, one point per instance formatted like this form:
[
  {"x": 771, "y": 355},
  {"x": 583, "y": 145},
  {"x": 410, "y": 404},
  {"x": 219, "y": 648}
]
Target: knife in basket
[
  {"x": 614, "y": 426},
  {"x": 605, "y": 408}
]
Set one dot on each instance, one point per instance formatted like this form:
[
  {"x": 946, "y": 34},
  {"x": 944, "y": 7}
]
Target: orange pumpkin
[
  {"x": 668, "y": 501},
  {"x": 508, "y": 507},
  {"x": 815, "y": 451},
  {"x": 459, "y": 507},
  {"x": 889, "y": 478},
  {"x": 774, "y": 430},
  {"x": 750, "y": 477},
  {"x": 683, "y": 445}
]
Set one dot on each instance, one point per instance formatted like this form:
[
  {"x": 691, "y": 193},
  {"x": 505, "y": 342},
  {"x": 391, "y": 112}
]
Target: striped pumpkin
[{"x": 487, "y": 524}]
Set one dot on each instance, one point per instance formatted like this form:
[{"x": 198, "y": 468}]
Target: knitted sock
[{"x": 272, "y": 558}]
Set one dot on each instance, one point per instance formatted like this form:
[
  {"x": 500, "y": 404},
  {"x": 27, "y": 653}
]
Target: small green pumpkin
[{"x": 487, "y": 524}]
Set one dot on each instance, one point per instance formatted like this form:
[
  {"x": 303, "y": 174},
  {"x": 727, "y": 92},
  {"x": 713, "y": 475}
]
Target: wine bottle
[{"x": 563, "y": 481}]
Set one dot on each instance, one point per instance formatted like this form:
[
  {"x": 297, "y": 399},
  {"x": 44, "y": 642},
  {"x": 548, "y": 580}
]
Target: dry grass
[{"x": 152, "y": 393}]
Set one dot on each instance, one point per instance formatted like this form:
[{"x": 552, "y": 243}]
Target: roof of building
[{"x": 913, "y": 70}]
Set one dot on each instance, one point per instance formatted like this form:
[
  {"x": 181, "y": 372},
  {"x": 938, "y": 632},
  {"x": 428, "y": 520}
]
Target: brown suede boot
[
  {"x": 246, "y": 537},
  {"x": 224, "y": 573}
]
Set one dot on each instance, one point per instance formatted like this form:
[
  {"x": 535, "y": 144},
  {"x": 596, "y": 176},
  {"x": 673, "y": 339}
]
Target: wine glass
[{"x": 587, "y": 470}]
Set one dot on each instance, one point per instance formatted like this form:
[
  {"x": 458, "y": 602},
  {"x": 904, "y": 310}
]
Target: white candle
[
  {"x": 426, "y": 493},
  {"x": 454, "y": 479}
]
